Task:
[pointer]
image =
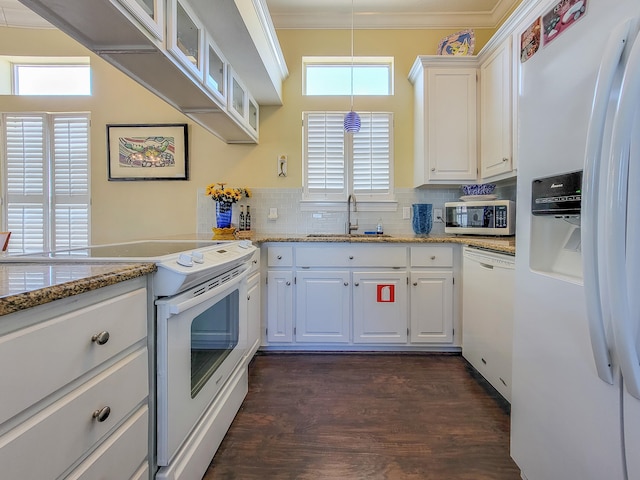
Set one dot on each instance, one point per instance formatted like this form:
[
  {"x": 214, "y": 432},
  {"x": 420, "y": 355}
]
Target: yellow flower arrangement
[{"x": 219, "y": 193}]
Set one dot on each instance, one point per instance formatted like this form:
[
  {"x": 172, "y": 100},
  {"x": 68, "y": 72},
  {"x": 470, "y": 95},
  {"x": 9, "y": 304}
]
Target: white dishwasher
[{"x": 487, "y": 315}]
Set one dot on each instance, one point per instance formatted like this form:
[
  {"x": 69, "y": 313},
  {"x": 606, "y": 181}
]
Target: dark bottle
[
  {"x": 247, "y": 219},
  {"x": 241, "y": 220}
]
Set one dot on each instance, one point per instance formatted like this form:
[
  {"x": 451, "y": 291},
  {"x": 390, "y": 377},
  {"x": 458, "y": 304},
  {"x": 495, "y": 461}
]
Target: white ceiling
[{"x": 337, "y": 13}]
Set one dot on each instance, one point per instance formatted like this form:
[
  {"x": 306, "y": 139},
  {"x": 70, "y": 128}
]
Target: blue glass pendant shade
[{"x": 352, "y": 122}]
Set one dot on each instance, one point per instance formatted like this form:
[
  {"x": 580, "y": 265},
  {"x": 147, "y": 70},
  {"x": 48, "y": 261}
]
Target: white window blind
[
  {"x": 46, "y": 163},
  {"x": 337, "y": 163}
]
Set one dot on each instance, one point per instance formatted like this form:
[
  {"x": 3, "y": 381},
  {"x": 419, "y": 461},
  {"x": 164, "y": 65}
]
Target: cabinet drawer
[
  {"x": 432, "y": 256},
  {"x": 120, "y": 455},
  {"x": 121, "y": 387},
  {"x": 280, "y": 256},
  {"x": 46, "y": 356},
  {"x": 360, "y": 256}
]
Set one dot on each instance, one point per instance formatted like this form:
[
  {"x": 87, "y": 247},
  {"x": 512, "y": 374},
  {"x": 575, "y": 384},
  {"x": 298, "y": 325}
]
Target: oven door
[{"x": 201, "y": 338}]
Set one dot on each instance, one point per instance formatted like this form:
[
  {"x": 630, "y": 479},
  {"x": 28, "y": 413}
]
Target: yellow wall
[{"x": 132, "y": 210}]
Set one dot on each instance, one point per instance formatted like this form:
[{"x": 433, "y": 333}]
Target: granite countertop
[
  {"x": 498, "y": 244},
  {"x": 25, "y": 285}
]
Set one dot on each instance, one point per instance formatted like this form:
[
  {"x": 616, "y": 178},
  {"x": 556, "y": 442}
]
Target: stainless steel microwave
[{"x": 494, "y": 217}]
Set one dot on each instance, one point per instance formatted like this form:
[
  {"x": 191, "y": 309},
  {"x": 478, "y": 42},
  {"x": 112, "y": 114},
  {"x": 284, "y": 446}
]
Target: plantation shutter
[
  {"x": 371, "y": 154},
  {"x": 47, "y": 181},
  {"x": 26, "y": 180},
  {"x": 324, "y": 152},
  {"x": 70, "y": 182},
  {"x": 330, "y": 174}
]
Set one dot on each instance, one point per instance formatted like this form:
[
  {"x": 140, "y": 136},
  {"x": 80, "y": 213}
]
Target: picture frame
[{"x": 147, "y": 152}]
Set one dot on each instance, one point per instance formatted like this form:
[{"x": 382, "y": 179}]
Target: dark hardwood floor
[{"x": 392, "y": 417}]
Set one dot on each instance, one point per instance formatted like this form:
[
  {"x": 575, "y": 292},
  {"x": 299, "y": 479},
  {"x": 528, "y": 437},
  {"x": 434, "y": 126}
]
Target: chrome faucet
[{"x": 350, "y": 227}]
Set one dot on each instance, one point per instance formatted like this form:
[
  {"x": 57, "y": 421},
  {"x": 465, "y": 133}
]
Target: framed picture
[{"x": 148, "y": 152}]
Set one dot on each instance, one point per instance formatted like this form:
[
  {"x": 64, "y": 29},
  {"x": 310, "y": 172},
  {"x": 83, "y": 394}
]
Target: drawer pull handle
[
  {"x": 415, "y": 284},
  {"x": 102, "y": 414},
  {"x": 350, "y": 257},
  {"x": 288, "y": 283},
  {"x": 279, "y": 257},
  {"x": 101, "y": 338},
  {"x": 505, "y": 159},
  {"x": 346, "y": 284},
  {"x": 357, "y": 284},
  {"x": 433, "y": 257}
]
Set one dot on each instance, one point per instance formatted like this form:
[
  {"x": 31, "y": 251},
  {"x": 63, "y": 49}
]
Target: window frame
[
  {"x": 347, "y": 61},
  {"x": 338, "y": 197}
]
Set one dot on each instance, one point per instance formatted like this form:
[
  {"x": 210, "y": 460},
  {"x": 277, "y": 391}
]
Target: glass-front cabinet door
[
  {"x": 186, "y": 37},
  {"x": 216, "y": 72},
  {"x": 253, "y": 118},
  {"x": 237, "y": 97},
  {"x": 150, "y": 13}
]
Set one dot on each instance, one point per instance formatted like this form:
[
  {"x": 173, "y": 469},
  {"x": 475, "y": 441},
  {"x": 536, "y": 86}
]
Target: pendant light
[{"x": 352, "y": 119}]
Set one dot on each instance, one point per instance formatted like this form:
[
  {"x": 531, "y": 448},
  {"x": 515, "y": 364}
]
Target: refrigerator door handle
[
  {"x": 590, "y": 193},
  {"x": 624, "y": 321}
]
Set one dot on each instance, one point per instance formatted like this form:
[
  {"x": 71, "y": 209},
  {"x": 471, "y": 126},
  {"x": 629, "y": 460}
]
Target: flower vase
[
  {"x": 223, "y": 214},
  {"x": 422, "y": 218}
]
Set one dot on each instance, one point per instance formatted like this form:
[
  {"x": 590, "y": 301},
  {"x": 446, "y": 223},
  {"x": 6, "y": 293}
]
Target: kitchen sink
[{"x": 346, "y": 235}]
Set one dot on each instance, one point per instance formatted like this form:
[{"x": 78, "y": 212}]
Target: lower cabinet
[
  {"x": 279, "y": 306},
  {"x": 379, "y": 307},
  {"x": 253, "y": 313},
  {"x": 360, "y": 295},
  {"x": 431, "y": 307},
  {"x": 76, "y": 386},
  {"x": 322, "y": 306}
]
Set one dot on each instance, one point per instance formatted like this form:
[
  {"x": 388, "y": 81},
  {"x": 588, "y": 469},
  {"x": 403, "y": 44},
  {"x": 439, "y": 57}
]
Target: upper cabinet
[
  {"x": 177, "y": 53},
  {"x": 445, "y": 123},
  {"x": 496, "y": 110}
]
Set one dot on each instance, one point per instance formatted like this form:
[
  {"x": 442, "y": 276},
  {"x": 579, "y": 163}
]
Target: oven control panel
[{"x": 184, "y": 270}]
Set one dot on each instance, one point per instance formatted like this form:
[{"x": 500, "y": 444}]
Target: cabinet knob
[
  {"x": 505, "y": 159},
  {"x": 433, "y": 169},
  {"x": 357, "y": 284},
  {"x": 248, "y": 297},
  {"x": 100, "y": 338},
  {"x": 350, "y": 257},
  {"x": 288, "y": 283},
  {"x": 433, "y": 257},
  {"x": 102, "y": 414},
  {"x": 255, "y": 261},
  {"x": 346, "y": 284},
  {"x": 279, "y": 257},
  {"x": 415, "y": 284}
]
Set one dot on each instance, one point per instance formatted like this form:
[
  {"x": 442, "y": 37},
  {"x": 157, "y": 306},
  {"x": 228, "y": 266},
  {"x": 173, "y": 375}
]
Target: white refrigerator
[{"x": 576, "y": 376}]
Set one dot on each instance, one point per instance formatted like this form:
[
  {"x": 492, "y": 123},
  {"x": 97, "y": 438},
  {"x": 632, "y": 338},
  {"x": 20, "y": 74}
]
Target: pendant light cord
[{"x": 352, "y": 59}]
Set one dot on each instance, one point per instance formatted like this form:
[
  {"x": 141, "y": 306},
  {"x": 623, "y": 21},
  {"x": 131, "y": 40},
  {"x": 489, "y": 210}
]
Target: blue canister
[{"x": 422, "y": 218}]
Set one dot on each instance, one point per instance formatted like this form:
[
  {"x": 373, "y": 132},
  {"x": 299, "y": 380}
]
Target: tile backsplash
[{"x": 294, "y": 220}]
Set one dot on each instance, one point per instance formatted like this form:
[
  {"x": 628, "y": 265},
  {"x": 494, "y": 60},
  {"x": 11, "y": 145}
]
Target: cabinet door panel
[
  {"x": 279, "y": 306},
  {"x": 379, "y": 307},
  {"x": 451, "y": 100},
  {"x": 431, "y": 307},
  {"x": 495, "y": 116},
  {"x": 322, "y": 306},
  {"x": 253, "y": 314}
]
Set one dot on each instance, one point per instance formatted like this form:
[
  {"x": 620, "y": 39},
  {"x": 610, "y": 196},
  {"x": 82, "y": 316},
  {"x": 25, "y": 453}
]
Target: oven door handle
[{"x": 179, "y": 307}]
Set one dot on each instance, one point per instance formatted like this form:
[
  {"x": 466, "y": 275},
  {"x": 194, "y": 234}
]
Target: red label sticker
[{"x": 386, "y": 293}]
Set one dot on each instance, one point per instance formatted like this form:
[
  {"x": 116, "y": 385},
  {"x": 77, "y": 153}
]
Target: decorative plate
[{"x": 458, "y": 44}]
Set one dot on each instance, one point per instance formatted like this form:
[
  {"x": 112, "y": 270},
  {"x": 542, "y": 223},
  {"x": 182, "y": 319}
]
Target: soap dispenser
[{"x": 379, "y": 230}]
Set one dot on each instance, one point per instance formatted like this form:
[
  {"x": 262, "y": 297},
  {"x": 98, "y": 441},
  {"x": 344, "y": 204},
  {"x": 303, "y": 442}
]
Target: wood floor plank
[{"x": 374, "y": 417}]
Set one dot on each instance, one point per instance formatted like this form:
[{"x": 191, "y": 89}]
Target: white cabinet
[
  {"x": 488, "y": 289},
  {"x": 79, "y": 366},
  {"x": 279, "y": 294},
  {"x": 432, "y": 296},
  {"x": 352, "y": 296},
  {"x": 254, "y": 330},
  {"x": 445, "y": 120},
  {"x": 186, "y": 37},
  {"x": 380, "y": 307},
  {"x": 431, "y": 307},
  {"x": 496, "y": 107},
  {"x": 241, "y": 104},
  {"x": 150, "y": 13},
  {"x": 322, "y": 306},
  {"x": 171, "y": 51}
]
